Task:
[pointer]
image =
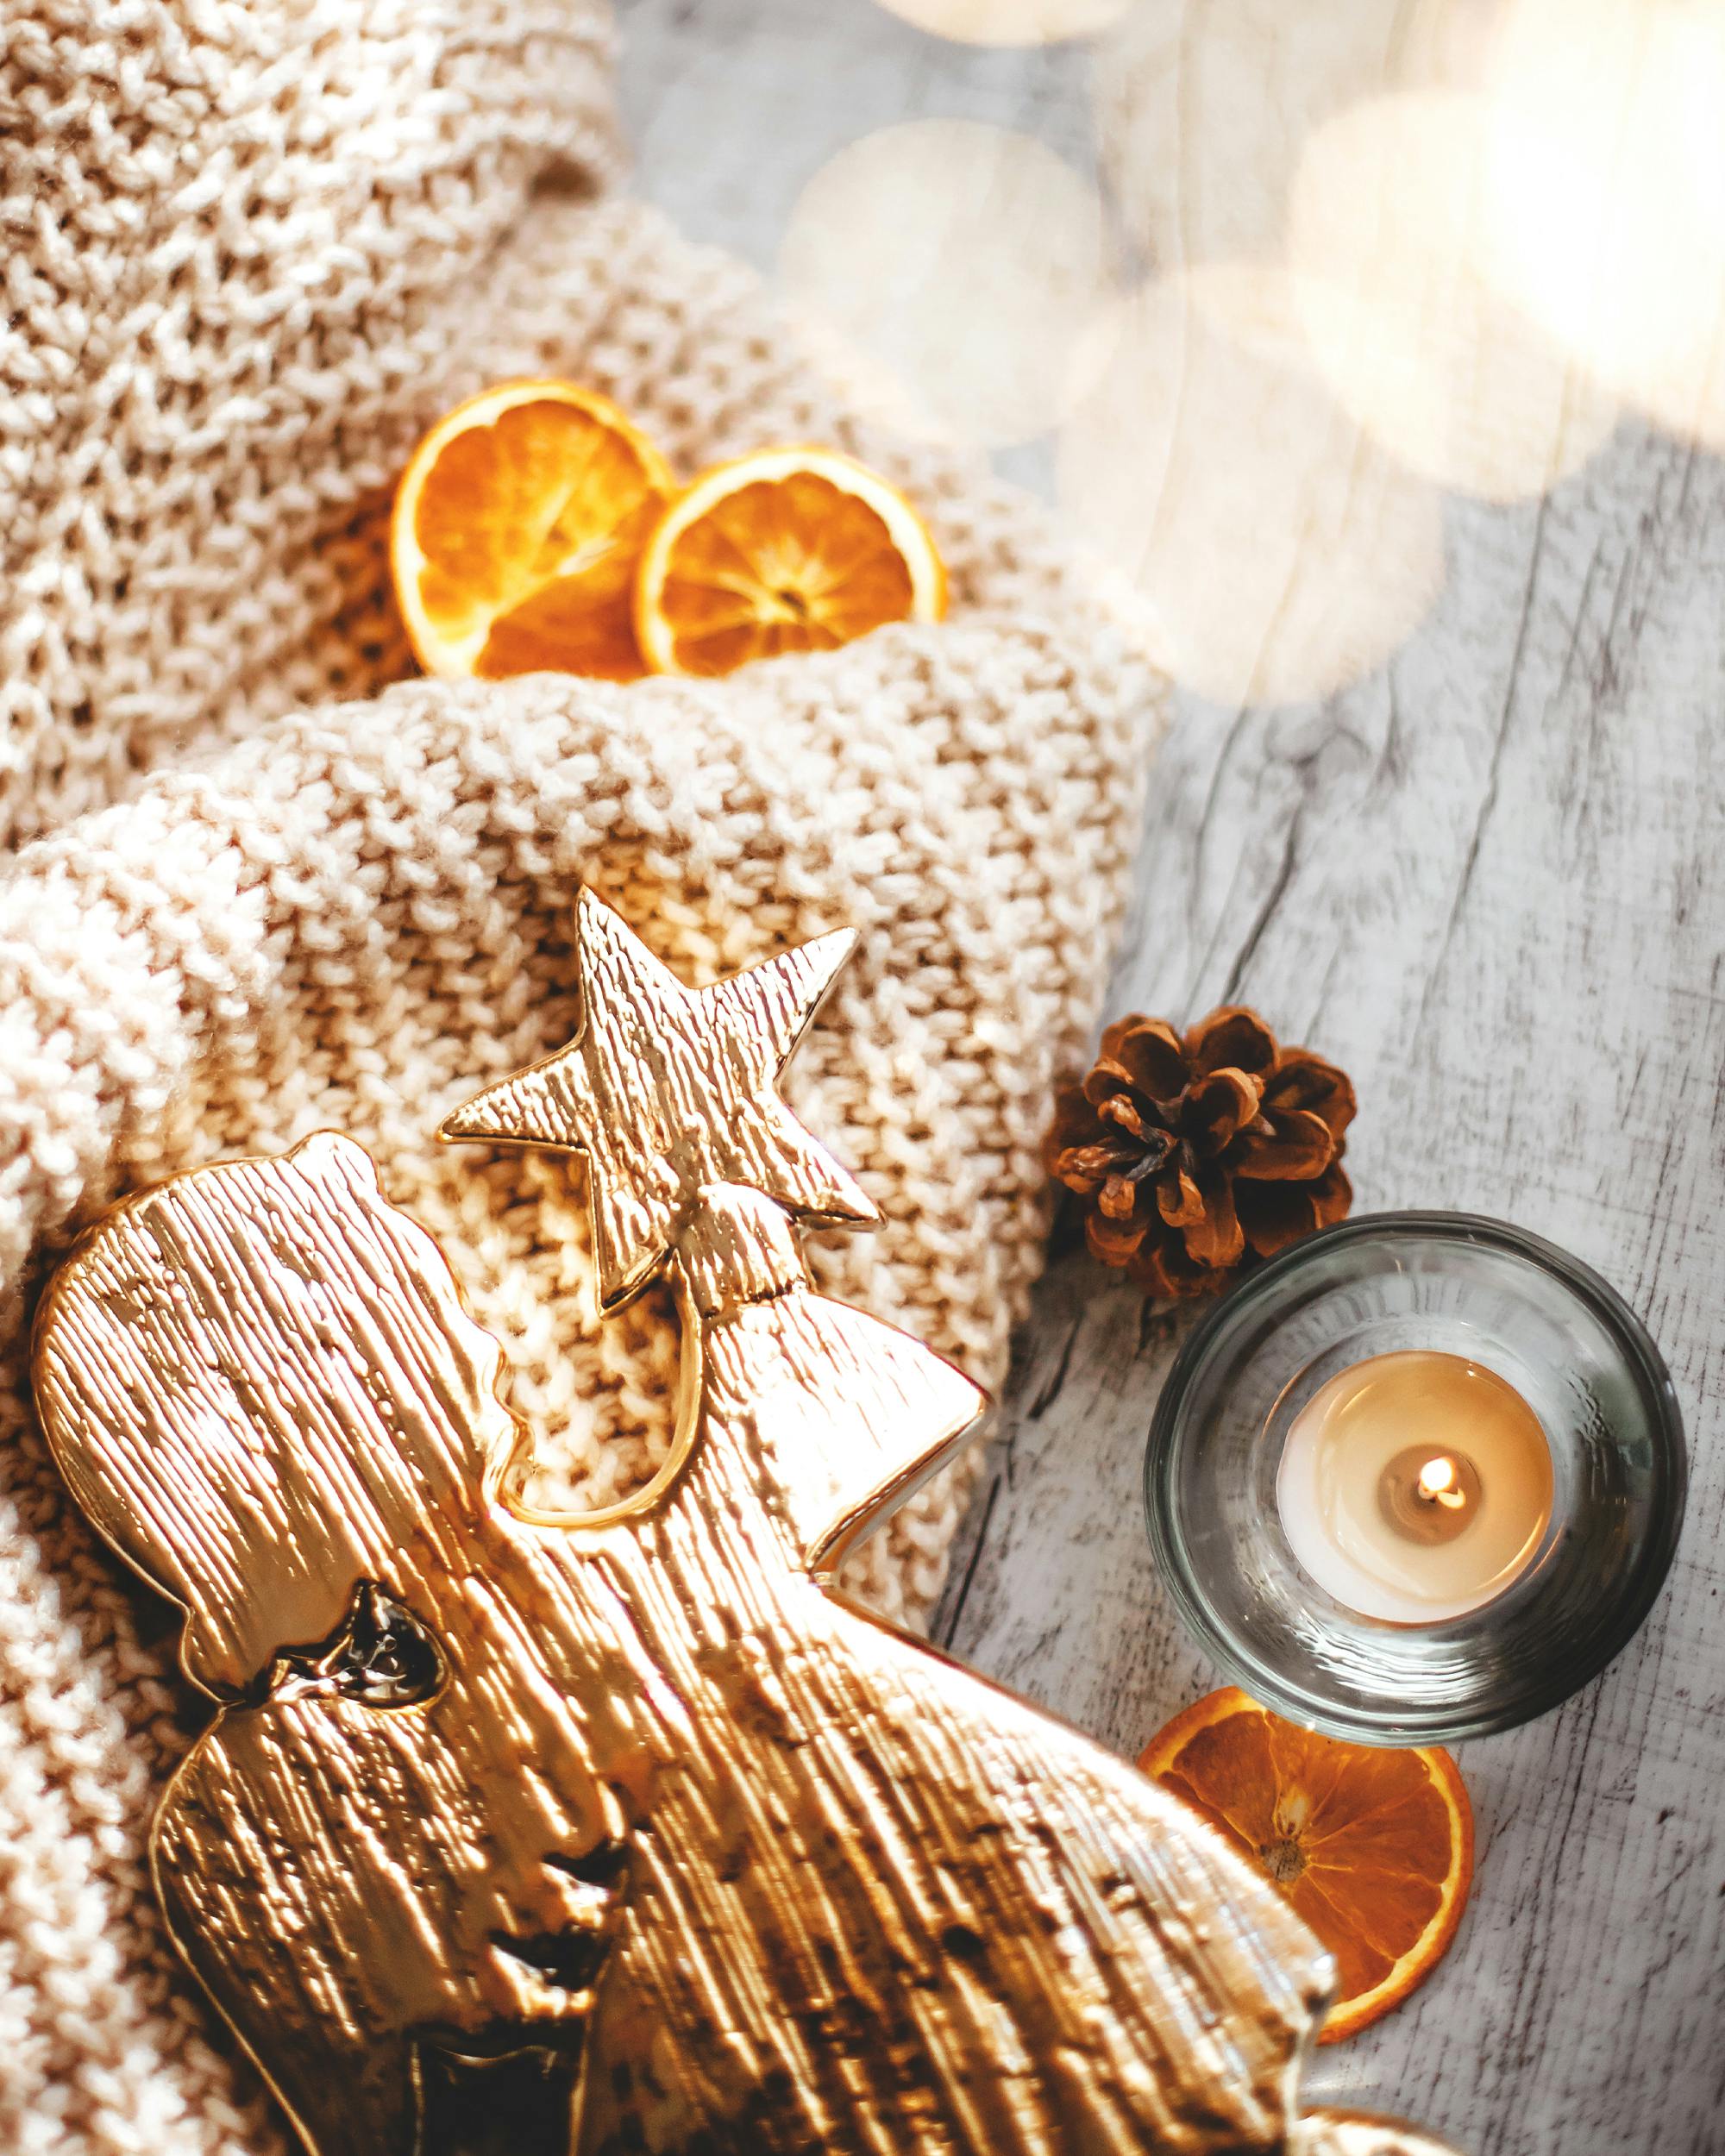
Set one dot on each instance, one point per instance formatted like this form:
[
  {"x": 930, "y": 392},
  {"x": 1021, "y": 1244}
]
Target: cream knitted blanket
[{"x": 259, "y": 879}]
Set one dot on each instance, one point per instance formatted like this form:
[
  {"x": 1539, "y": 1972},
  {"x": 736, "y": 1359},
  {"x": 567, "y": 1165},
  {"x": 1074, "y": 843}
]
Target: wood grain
[
  {"x": 1491, "y": 885},
  {"x": 1489, "y": 882}
]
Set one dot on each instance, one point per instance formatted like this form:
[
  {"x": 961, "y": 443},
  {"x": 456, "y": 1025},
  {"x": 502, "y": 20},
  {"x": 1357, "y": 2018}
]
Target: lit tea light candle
[{"x": 1414, "y": 1487}]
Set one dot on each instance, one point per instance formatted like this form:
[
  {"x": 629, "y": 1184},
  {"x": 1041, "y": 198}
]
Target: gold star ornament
[{"x": 671, "y": 1092}]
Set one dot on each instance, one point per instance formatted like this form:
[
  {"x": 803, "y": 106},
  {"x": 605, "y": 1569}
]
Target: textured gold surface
[{"x": 636, "y": 1789}]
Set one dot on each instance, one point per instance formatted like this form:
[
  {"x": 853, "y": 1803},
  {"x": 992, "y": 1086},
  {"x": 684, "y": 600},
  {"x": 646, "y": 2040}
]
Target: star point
[{"x": 670, "y": 1091}]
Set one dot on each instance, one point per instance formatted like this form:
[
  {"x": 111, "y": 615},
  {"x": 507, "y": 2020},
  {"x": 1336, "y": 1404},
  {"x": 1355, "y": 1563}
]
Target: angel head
[{"x": 262, "y": 1386}]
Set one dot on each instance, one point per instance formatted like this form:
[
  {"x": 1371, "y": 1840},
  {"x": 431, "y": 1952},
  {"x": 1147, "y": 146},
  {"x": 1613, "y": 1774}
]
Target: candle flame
[{"x": 1438, "y": 1483}]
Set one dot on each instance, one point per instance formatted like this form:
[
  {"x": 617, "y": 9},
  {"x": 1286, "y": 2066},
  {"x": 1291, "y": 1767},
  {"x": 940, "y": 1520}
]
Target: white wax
[{"x": 1329, "y": 1488}]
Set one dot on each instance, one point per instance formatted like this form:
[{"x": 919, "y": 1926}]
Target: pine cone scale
[
  {"x": 1117, "y": 1198},
  {"x": 1085, "y": 1169},
  {"x": 1105, "y": 1080},
  {"x": 1113, "y": 1242},
  {"x": 1223, "y": 1103},
  {"x": 1306, "y": 1081},
  {"x": 1234, "y": 1035},
  {"x": 1180, "y": 1200},
  {"x": 1214, "y": 1240},
  {"x": 1274, "y": 1215},
  {"x": 1148, "y": 1054},
  {"x": 1119, "y": 1107},
  {"x": 1286, "y": 1148}
]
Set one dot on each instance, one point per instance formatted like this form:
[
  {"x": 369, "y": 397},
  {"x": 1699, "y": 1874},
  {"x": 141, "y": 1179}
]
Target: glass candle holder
[{"x": 1409, "y": 1286}]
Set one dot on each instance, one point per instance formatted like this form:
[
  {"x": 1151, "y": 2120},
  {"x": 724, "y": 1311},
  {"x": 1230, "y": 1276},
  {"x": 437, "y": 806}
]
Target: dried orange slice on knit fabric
[
  {"x": 517, "y": 529},
  {"x": 790, "y": 549},
  {"x": 1373, "y": 1848}
]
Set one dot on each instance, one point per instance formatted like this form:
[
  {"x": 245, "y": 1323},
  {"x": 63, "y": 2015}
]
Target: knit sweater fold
[{"x": 260, "y": 878}]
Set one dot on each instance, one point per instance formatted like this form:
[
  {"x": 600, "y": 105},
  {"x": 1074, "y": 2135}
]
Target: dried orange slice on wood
[
  {"x": 790, "y": 549},
  {"x": 1373, "y": 1848},
  {"x": 517, "y": 529}
]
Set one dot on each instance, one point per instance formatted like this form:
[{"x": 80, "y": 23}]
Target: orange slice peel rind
[{"x": 1373, "y": 1847}]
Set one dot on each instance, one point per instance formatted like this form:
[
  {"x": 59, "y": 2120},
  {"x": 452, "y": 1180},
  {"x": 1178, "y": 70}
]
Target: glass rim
[{"x": 1400, "y": 1725}]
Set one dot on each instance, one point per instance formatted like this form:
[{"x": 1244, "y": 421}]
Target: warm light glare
[
  {"x": 1279, "y": 555},
  {"x": 1607, "y": 193},
  {"x": 1008, "y": 22},
  {"x": 963, "y": 260},
  {"x": 1203, "y": 111},
  {"x": 1387, "y": 242},
  {"x": 1438, "y": 1483}
]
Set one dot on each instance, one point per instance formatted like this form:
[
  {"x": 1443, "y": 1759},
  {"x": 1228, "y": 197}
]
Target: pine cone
[{"x": 1196, "y": 1158}]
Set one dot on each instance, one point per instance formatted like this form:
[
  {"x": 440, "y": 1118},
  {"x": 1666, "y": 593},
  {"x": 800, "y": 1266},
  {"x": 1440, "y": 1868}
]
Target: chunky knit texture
[{"x": 254, "y": 248}]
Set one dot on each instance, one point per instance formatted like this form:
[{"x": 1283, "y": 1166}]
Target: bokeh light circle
[
  {"x": 1009, "y": 22},
  {"x": 1278, "y": 553},
  {"x": 1607, "y": 193},
  {"x": 1389, "y": 228},
  {"x": 1203, "y": 112},
  {"x": 965, "y": 259}
]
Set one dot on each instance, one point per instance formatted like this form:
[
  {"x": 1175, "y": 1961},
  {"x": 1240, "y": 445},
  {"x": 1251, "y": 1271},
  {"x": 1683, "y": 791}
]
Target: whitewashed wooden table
[{"x": 1490, "y": 879}]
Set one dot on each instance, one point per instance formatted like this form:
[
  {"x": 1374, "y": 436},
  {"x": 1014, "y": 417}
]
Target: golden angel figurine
[{"x": 637, "y": 1787}]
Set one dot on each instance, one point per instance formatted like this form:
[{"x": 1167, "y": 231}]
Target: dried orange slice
[
  {"x": 1373, "y": 1848},
  {"x": 516, "y": 532},
  {"x": 792, "y": 549}
]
